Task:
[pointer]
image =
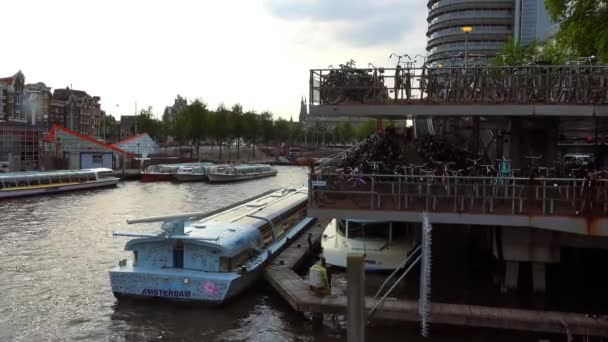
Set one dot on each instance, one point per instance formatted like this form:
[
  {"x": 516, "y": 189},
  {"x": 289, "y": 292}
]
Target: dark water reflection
[{"x": 55, "y": 253}]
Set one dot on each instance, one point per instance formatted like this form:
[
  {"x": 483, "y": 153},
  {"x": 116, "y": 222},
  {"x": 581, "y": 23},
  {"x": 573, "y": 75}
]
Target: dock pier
[{"x": 295, "y": 290}]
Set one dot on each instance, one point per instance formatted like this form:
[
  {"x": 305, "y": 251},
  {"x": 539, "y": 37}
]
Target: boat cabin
[
  {"x": 226, "y": 242},
  {"x": 13, "y": 180},
  {"x": 385, "y": 231},
  {"x": 244, "y": 169}
]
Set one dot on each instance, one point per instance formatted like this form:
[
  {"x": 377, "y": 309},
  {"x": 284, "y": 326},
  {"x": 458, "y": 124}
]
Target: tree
[
  {"x": 345, "y": 132},
  {"x": 366, "y": 129},
  {"x": 251, "y": 121},
  {"x": 266, "y": 127},
  {"x": 238, "y": 126},
  {"x": 296, "y": 133},
  {"x": 221, "y": 125},
  {"x": 281, "y": 130},
  {"x": 181, "y": 127},
  {"x": 147, "y": 123},
  {"x": 513, "y": 53},
  {"x": 198, "y": 123},
  {"x": 582, "y": 26}
]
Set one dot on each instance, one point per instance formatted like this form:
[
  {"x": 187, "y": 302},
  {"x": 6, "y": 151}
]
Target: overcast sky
[{"x": 256, "y": 52}]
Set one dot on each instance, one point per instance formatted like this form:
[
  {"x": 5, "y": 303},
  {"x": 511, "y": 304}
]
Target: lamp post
[{"x": 466, "y": 30}]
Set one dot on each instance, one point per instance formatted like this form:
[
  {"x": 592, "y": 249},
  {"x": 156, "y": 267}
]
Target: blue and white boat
[{"x": 209, "y": 259}]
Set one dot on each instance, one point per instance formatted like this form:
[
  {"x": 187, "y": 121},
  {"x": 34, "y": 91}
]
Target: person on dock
[{"x": 320, "y": 278}]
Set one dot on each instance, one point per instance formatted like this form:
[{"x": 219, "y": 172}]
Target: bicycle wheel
[{"x": 332, "y": 92}]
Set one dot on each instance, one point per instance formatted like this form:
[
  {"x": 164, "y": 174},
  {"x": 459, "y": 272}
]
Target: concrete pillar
[
  {"x": 317, "y": 321},
  {"x": 539, "y": 282},
  {"x": 475, "y": 136},
  {"x": 355, "y": 295},
  {"x": 511, "y": 275},
  {"x": 515, "y": 150}
]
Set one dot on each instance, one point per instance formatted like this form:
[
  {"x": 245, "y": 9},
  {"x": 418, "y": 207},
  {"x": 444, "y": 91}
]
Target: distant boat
[
  {"x": 231, "y": 173},
  {"x": 193, "y": 173},
  {"x": 211, "y": 259},
  {"x": 162, "y": 172},
  {"x": 19, "y": 184}
]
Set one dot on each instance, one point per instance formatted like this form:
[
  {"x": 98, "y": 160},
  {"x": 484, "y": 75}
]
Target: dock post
[
  {"x": 355, "y": 292},
  {"x": 539, "y": 283}
]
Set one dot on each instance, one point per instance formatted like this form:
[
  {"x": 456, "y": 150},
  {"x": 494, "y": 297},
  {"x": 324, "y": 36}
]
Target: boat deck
[{"x": 296, "y": 292}]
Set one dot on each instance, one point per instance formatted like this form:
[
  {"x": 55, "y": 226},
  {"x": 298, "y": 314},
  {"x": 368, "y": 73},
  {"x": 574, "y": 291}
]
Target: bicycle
[{"x": 403, "y": 78}]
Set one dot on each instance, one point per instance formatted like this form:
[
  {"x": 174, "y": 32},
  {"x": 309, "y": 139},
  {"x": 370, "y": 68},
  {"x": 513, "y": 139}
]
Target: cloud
[{"x": 359, "y": 23}]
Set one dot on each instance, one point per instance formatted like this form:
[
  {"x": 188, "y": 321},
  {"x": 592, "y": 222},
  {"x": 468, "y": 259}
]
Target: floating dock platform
[{"x": 295, "y": 290}]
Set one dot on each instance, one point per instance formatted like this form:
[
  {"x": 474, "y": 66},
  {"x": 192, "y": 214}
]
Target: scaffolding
[{"x": 20, "y": 146}]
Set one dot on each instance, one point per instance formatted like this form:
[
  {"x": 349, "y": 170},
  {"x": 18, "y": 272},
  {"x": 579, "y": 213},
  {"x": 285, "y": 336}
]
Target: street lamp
[{"x": 466, "y": 30}]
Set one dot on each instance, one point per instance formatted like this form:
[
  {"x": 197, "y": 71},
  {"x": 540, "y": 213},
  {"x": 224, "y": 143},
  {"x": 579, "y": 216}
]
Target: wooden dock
[{"x": 296, "y": 292}]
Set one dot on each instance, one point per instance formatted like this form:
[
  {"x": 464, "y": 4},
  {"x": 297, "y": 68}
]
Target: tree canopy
[{"x": 582, "y": 26}]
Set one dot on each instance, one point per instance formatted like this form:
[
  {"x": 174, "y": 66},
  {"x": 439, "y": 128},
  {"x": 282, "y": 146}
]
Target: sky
[{"x": 254, "y": 52}]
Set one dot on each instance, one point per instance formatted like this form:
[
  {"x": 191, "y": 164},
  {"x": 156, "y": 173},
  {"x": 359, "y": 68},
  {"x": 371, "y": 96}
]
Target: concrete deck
[{"x": 296, "y": 292}]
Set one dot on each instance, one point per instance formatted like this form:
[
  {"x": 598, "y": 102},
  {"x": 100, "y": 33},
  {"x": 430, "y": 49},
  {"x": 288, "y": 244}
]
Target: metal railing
[
  {"x": 457, "y": 194},
  {"x": 525, "y": 84}
]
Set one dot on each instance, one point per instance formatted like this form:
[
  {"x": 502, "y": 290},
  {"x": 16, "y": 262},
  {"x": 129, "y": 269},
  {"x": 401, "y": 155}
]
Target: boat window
[
  {"x": 229, "y": 264},
  {"x": 135, "y": 258},
  {"x": 369, "y": 230},
  {"x": 178, "y": 254}
]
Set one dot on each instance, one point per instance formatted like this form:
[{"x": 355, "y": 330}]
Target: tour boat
[
  {"x": 161, "y": 172},
  {"x": 192, "y": 173},
  {"x": 385, "y": 244},
  {"x": 29, "y": 183},
  {"x": 230, "y": 173},
  {"x": 209, "y": 259}
]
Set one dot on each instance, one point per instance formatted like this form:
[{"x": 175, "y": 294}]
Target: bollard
[{"x": 355, "y": 292}]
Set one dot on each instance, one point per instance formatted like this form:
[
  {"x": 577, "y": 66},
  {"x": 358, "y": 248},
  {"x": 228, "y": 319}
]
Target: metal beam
[
  {"x": 566, "y": 224},
  {"x": 408, "y": 110}
]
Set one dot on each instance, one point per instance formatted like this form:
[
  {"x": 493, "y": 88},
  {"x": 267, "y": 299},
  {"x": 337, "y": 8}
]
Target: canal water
[{"x": 55, "y": 252}]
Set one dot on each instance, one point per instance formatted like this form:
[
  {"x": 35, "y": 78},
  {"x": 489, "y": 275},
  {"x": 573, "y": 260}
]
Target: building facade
[
  {"x": 491, "y": 22},
  {"x": 128, "y": 126},
  {"x": 532, "y": 22},
  {"x": 11, "y": 93},
  {"x": 76, "y": 110},
  {"x": 170, "y": 112},
  {"x": 35, "y": 103}
]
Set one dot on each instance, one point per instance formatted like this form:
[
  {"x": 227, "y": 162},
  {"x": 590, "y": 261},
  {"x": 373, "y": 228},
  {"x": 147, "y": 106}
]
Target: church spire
[{"x": 303, "y": 110}]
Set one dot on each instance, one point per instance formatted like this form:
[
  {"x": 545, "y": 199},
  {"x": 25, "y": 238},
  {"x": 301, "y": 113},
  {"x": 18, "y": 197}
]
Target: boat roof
[
  {"x": 24, "y": 174},
  {"x": 234, "y": 229}
]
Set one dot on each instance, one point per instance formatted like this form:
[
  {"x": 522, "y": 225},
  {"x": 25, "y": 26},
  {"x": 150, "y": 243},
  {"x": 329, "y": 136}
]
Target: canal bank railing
[
  {"x": 461, "y": 195},
  {"x": 522, "y": 84}
]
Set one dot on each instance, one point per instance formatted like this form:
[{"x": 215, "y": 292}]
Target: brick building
[
  {"x": 77, "y": 110},
  {"x": 128, "y": 126},
  {"x": 11, "y": 93}
]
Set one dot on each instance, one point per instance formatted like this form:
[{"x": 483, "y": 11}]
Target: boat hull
[
  {"x": 180, "y": 284},
  {"x": 184, "y": 177},
  {"x": 155, "y": 177},
  {"x": 205, "y": 287},
  {"x": 220, "y": 177},
  {"x": 57, "y": 188}
]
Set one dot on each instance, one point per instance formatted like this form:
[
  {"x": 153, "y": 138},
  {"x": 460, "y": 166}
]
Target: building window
[{"x": 98, "y": 159}]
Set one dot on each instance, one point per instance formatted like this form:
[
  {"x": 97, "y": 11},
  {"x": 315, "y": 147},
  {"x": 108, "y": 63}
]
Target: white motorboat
[
  {"x": 30, "y": 183},
  {"x": 193, "y": 173},
  {"x": 231, "y": 173},
  {"x": 385, "y": 244},
  {"x": 210, "y": 259}
]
